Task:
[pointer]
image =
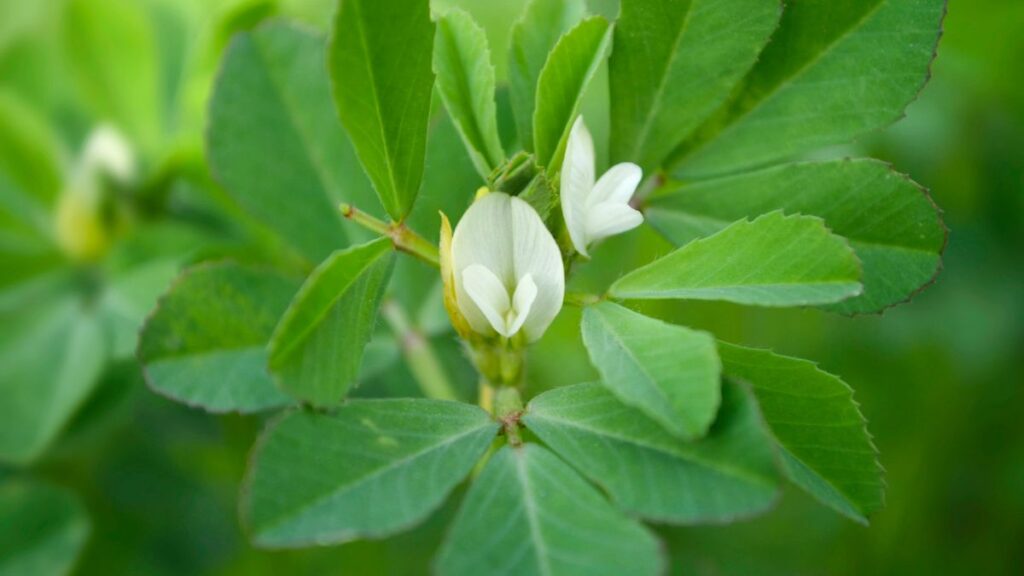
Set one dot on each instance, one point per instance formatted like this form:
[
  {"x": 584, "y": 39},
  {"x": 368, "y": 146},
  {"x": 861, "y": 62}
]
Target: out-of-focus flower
[{"x": 83, "y": 221}]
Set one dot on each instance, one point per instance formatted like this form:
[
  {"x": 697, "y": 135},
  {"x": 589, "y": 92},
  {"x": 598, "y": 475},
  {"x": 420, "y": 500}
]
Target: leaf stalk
[
  {"x": 425, "y": 366},
  {"x": 404, "y": 239}
]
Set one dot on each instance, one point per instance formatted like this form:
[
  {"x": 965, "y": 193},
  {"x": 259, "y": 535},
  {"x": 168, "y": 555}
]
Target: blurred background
[{"x": 150, "y": 486}]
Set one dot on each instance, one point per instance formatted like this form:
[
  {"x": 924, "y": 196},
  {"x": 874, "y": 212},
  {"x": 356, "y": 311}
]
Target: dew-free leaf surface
[
  {"x": 206, "y": 343},
  {"x": 728, "y": 474},
  {"x": 889, "y": 220},
  {"x": 774, "y": 260},
  {"x": 317, "y": 347},
  {"x": 530, "y": 514},
  {"x": 372, "y": 468},
  {"x": 671, "y": 373}
]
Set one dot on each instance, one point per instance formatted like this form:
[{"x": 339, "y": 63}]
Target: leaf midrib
[
  {"x": 291, "y": 111},
  {"x": 379, "y": 114},
  {"x": 660, "y": 92},
  {"x": 782, "y": 84},
  {"x": 532, "y": 516},
  {"x": 356, "y": 482},
  {"x": 650, "y": 379},
  {"x": 655, "y": 292},
  {"x": 585, "y": 80},
  {"x": 723, "y": 224},
  {"x": 318, "y": 318},
  {"x": 690, "y": 458},
  {"x": 466, "y": 92}
]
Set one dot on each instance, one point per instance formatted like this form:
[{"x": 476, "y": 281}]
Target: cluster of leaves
[
  {"x": 68, "y": 325},
  {"x": 714, "y": 99}
]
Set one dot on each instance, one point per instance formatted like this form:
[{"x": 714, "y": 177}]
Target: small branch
[
  {"x": 581, "y": 299},
  {"x": 423, "y": 363},
  {"x": 401, "y": 236},
  {"x": 649, "y": 185}
]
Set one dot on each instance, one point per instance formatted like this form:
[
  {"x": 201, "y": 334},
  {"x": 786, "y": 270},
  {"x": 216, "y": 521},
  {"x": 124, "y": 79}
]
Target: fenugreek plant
[{"x": 713, "y": 109}]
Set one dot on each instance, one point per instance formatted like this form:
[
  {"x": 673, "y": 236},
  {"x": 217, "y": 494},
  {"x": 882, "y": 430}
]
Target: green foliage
[
  {"x": 674, "y": 63},
  {"x": 29, "y": 181},
  {"x": 205, "y": 345},
  {"x": 529, "y": 513},
  {"x": 774, "y": 260},
  {"x": 889, "y": 220},
  {"x": 681, "y": 429},
  {"x": 115, "y": 65},
  {"x": 834, "y": 70},
  {"x": 727, "y": 475},
  {"x": 669, "y": 372},
  {"x": 533, "y": 37},
  {"x": 43, "y": 529},
  {"x": 379, "y": 63},
  {"x": 372, "y": 468},
  {"x": 28, "y": 153},
  {"x": 317, "y": 348},
  {"x": 569, "y": 69},
  {"x": 40, "y": 395},
  {"x": 275, "y": 142},
  {"x": 821, "y": 434},
  {"x": 465, "y": 80}
]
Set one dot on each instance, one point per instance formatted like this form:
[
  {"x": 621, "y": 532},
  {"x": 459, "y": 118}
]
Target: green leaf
[
  {"x": 889, "y": 220},
  {"x": 205, "y": 345},
  {"x": 647, "y": 471},
  {"x": 317, "y": 348},
  {"x": 674, "y": 63},
  {"x": 775, "y": 260},
  {"x": 529, "y": 513},
  {"x": 533, "y": 37},
  {"x": 275, "y": 142},
  {"x": 821, "y": 434},
  {"x": 379, "y": 64},
  {"x": 128, "y": 298},
  {"x": 835, "y": 70},
  {"x": 115, "y": 65},
  {"x": 28, "y": 151},
  {"x": 465, "y": 80},
  {"x": 43, "y": 529},
  {"x": 39, "y": 394},
  {"x": 373, "y": 468},
  {"x": 670, "y": 373},
  {"x": 560, "y": 87}
]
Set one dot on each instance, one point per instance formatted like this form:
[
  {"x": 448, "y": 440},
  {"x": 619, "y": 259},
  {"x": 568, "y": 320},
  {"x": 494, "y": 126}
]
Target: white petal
[
  {"x": 611, "y": 218},
  {"x": 108, "y": 152},
  {"x": 506, "y": 236},
  {"x": 616, "y": 185},
  {"x": 577, "y": 182},
  {"x": 522, "y": 302},
  {"x": 536, "y": 253},
  {"x": 483, "y": 236},
  {"x": 489, "y": 295}
]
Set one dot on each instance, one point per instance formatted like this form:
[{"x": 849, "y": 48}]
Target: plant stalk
[
  {"x": 401, "y": 236},
  {"x": 581, "y": 299},
  {"x": 426, "y": 368}
]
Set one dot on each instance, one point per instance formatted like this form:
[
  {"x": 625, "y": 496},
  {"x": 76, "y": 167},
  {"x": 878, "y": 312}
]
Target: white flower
[
  {"x": 108, "y": 152},
  {"x": 507, "y": 268},
  {"x": 595, "y": 211}
]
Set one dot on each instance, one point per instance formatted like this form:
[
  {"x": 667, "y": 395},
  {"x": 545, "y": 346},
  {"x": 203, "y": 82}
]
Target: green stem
[
  {"x": 401, "y": 236},
  {"x": 581, "y": 299},
  {"x": 423, "y": 363},
  {"x": 508, "y": 408}
]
